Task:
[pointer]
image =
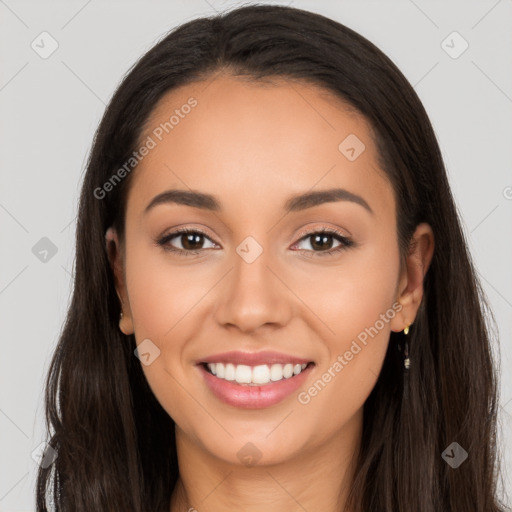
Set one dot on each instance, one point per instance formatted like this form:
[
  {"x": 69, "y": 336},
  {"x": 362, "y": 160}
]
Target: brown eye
[
  {"x": 191, "y": 241},
  {"x": 321, "y": 242},
  {"x": 188, "y": 241}
]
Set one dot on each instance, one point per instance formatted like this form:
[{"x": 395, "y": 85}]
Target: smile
[{"x": 253, "y": 380}]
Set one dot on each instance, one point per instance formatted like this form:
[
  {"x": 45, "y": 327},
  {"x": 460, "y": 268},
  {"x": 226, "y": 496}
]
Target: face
[{"x": 264, "y": 283}]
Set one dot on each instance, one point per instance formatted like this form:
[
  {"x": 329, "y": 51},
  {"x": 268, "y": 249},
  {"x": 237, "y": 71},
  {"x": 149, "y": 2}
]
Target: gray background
[{"x": 50, "y": 107}]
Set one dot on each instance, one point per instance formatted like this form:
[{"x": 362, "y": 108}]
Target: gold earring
[{"x": 407, "y": 361}]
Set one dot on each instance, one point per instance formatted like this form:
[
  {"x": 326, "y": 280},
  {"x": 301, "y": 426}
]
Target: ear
[
  {"x": 410, "y": 287},
  {"x": 115, "y": 257}
]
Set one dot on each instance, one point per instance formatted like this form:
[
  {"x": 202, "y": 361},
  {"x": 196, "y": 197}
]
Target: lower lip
[{"x": 253, "y": 397}]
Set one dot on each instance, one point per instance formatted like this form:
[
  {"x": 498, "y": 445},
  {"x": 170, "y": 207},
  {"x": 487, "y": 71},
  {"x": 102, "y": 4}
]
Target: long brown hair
[{"x": 115, "y": 444}]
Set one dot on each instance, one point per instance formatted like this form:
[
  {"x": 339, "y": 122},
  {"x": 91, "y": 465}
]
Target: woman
[{"x": 274, "y": 305}]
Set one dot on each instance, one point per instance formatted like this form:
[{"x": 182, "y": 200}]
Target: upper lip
[{"x": 254, "y": 358}]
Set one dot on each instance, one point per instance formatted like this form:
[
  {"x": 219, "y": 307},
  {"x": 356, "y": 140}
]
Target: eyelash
[{"x": 345, "y": 243}]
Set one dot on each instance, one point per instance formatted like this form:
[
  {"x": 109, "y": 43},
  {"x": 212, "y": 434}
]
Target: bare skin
[{"x": 253, "y": 147}]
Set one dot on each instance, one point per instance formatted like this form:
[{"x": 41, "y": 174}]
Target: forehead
[{"x": 256, "y": 142}]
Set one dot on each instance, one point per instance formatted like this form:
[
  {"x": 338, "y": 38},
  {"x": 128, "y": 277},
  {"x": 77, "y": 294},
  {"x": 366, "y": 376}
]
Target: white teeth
[
  {"x": 255, "y": 375},
  {"x": 276, "y": 372},
  {"x": 243, "y": 374},
  {"x": 229, "y": 373},
  {"x": 220, "y": 370},
  {"x": 261, "y": 374},
  {"x": 287, "y": 371}
]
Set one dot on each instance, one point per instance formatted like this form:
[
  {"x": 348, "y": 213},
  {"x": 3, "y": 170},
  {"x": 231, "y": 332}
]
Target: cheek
[
  {"x": 356, "y": 302},
  {"x": 351, "y": 296},
  {"x": 161, "y": 293},
  {"x": 162, "y": 298}
]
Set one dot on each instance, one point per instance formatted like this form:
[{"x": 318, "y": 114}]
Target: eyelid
[
  {"x": 305, "y": 232},
  {"x": 325, "y": 229},
  {"x": 179, "y": 230}
]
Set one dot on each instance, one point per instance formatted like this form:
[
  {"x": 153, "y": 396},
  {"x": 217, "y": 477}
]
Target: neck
[{"x": 317, "y": 479}]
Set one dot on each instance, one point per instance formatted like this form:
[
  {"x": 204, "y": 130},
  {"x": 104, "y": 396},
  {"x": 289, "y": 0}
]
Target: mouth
[{"x": 254, "y": 386}]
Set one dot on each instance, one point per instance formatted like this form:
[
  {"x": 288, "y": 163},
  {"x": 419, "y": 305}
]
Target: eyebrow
[{"x": 293, "y": 204}]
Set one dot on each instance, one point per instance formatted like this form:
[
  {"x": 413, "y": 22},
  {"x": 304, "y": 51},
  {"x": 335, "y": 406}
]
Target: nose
[{"x": 253, "y": 296}]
